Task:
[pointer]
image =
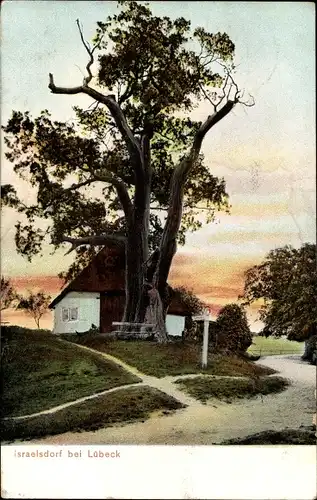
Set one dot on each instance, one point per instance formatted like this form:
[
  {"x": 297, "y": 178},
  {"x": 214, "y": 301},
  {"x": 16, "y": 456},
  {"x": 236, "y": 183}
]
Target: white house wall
[
  {"x": 175, "y": 324},
  {"x": 88, "y": 304}
]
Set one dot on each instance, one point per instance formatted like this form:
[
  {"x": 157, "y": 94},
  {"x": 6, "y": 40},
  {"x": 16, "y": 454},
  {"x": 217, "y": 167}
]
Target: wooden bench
[{"x": 134, "y": 331}]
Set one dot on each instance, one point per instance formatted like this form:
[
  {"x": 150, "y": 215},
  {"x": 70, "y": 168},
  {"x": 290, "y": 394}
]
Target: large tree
[
  {"x": 286, "y": 282},
  {"x": 129, "y": 167}
]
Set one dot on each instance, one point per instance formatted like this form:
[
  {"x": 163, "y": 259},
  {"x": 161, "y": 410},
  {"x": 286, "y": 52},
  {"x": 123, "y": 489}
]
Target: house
[{"x": 97, "y": 295}]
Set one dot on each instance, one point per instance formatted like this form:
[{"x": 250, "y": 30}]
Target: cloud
[
  {"x": 20, "y": 318},
  {"x": 50, "y": 284}
]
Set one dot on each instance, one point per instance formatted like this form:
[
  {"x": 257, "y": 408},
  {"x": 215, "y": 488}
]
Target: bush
[
  {"x": 286, "y": 436},
  {"x": 93, "y": 330},
  {"x": 231, "y": 331},
  {"x": 229, "y": 389},
  {"x": 310, "y": 353}
]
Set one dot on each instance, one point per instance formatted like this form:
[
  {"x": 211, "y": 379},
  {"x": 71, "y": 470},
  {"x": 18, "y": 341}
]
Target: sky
[{"x": 266, "y": 153}]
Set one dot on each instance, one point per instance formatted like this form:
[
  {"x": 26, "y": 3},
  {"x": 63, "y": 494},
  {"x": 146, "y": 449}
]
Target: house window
[
  {"x": 65, "y": 314},
  {"x": 73, "y": 314},
  {"x": 69, "y": 314}
]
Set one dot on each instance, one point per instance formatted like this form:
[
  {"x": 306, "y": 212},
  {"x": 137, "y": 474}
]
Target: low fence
[{"x": 269, "y": 352}]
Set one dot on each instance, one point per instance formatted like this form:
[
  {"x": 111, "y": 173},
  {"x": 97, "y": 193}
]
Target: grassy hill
[
  {"x": 125, "y": 405},
  {"x": 40, "y": 372},
  {"x": 176, "y": 358}
]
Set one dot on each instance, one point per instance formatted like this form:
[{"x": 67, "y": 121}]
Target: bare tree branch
[
  {"x": 92, "y": 107},
  {"x": 233, "y": 84},
  {"x": 97, "y": 240},
  {"x": 116, "y": 112},
  {"x": 248, "y": 104},
  {"x": 126, "y": 94},
  {"x": 90, "y": 53},
  {"x": 121, "y": 191},
  {"x": 210, "y": 122},
  {"x": 73, "y": 187},
  {"x": 195, "y": 207},
  {"x": 224, "y": 95},
  {"x": 207, "y": 97},
  {"x": 174, "y": 214},
  {"x": 111, "y": 179}
]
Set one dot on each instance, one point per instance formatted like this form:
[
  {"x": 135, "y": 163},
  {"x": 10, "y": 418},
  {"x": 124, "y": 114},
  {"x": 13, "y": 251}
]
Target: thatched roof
[{"x": 106, "y": 273}]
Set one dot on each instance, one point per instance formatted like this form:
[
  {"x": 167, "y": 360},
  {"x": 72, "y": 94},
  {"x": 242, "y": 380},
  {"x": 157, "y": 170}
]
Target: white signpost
[{"x": 205, "y": 317}]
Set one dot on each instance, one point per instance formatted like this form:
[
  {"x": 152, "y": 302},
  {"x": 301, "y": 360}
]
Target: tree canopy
[
  {"x": 193, "y": 303},
  {"x": 287, "y": 282},
  {"x": 130, "y": 166},
  {"x": 63, "y": 160},
  {"x": 35, "y": 304},
  {"x": 232, "y": 328},
  {"x": 8, "y": 295}
]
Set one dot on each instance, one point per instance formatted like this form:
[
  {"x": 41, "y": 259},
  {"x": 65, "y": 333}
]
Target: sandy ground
[{"x": 216, "y": 421}]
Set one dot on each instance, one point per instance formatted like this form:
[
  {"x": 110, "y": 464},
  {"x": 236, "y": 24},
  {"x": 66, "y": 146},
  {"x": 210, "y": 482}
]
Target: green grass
[
  {"x": 285, "y": 436},
  {"x": 271, "y": 346},
  {"x": 124, "y": 405},
  {"x": 204, "y": 388},
  {"x": 172, "y": 359},
  {"x": 40, "y": 372}
]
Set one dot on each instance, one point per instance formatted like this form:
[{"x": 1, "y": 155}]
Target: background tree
[
  {"x": 194, "y": 305},
  {"x": 8, "y": 295},
  {"x": 233, "y": 332},
  {"x": 287, "y": 282},
  {"x": 129, "y": 167},
  {"x": 35, "y": 304}
]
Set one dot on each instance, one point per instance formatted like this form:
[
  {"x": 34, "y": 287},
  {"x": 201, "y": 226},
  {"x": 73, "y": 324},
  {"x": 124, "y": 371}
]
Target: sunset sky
[{"x": 265, "y": 153}]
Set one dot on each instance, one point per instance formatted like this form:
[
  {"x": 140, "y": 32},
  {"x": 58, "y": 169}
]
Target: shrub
[
  {"x": 93, "y": 330},
  {"x": 231, "y": 331},
  {"x": 310, "y": 353}
]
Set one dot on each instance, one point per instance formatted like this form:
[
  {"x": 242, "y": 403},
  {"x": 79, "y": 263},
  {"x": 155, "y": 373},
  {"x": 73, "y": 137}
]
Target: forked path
[
  {"x": 216, "y": 421},
  {"x": 165, "y": 384}
]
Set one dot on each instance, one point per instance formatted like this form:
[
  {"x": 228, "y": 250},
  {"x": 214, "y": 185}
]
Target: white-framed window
[
  {"x": 69, "y": 314},
  {"x": 65, "y": 314}
]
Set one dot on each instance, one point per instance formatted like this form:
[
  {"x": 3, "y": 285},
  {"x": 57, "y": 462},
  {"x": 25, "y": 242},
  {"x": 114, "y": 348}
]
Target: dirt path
[
  {"x": 216, "y": 421},
  {"x": 164, "y": 384}
]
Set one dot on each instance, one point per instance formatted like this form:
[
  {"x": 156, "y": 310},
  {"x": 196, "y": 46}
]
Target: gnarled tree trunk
[
  {"x": 137, "y": 249},
  {"x": 134, "y": 277},
  {"x": 155, "y": 315},
  {"x": 168, "y": 244}
]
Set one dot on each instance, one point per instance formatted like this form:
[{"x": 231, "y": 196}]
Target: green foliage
[
  {"x": 8, "y": 295},
  {"x": 35, "y": 304},
  {"x": 190, "y": 300},
  {"x": 174, "y": 358},
  {"x": 228, "y": 389},
  {"x": 287, "y": 282},
  {"x": 8, "y": 196},
  {"x": 233, "y": 332},
  {"x": 94, "y": 330},
  {"x": 310, "y": 353},
  {"x": 63, "y": 160},
  {"x": 144, "y": 46}
]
